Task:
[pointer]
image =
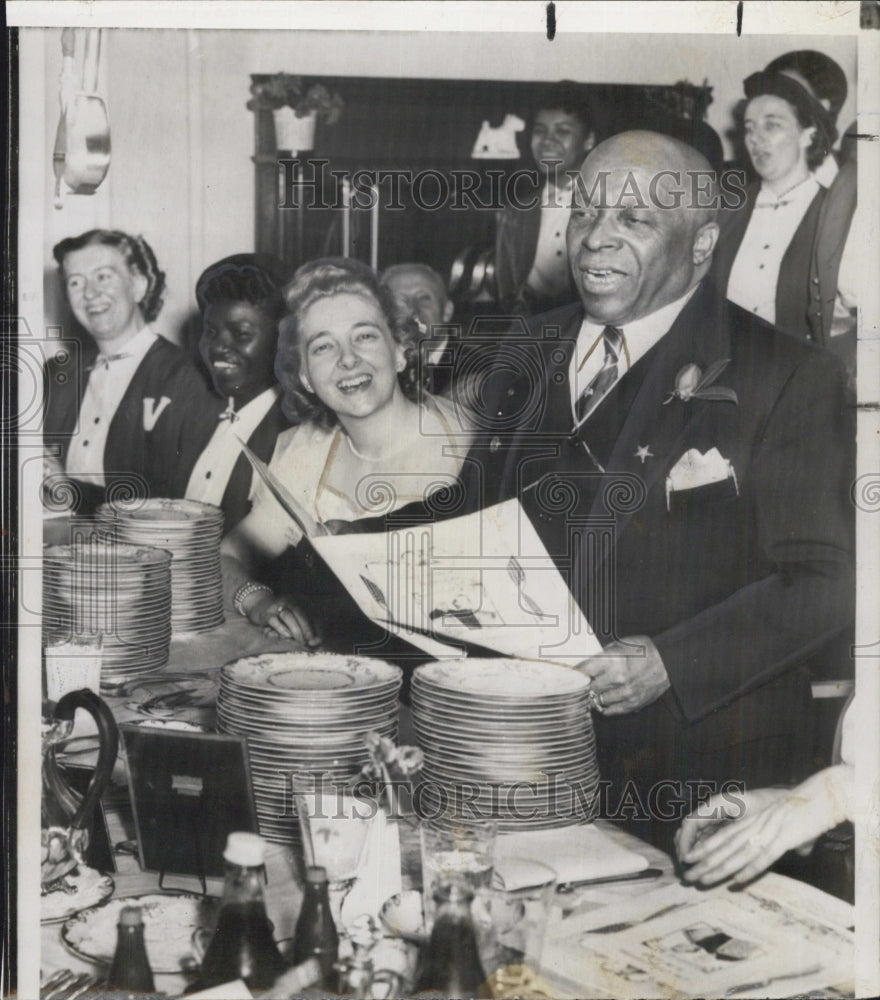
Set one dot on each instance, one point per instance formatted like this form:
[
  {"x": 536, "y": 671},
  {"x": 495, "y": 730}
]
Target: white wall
[{"x": 181, "y": 170}]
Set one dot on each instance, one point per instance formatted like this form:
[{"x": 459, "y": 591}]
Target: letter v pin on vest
[{"x": 153, "y": 410}]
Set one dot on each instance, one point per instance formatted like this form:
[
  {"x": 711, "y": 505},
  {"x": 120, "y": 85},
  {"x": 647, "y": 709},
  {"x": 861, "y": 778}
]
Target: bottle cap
[
  {"x": 245, "y": 849},
  {"x": 315, "y": 873},
  {"x": 130, "y": 916}
]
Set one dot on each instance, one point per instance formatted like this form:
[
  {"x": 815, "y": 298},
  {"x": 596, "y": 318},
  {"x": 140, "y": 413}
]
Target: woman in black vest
[{"x": 779, "y": 255}]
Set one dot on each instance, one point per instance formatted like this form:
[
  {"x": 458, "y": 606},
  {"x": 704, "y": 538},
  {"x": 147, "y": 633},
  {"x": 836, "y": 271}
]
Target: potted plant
[{"x": 295, "y": 108}]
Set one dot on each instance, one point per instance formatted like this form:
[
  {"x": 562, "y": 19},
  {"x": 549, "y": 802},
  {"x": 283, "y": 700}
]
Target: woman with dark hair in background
[
  {"x": 782, "y": 255},
  {"x": 241, "y": 303},
  {"x": 369, "y": 439},
  {"x": 128, "y": 414}
]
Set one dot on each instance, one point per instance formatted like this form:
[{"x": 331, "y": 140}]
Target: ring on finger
[{"x": 596, "y": 701}]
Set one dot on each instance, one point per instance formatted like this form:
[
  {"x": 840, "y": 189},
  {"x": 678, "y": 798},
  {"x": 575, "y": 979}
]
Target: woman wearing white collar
[
  {"x": 779, "y": 256},
  {"x": 127, "y": 414},
  {"x": 241, "y": 303}
]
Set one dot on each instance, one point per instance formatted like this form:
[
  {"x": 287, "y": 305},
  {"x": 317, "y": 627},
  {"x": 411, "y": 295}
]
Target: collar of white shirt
[
  {"x": 211, "y": 472},
  {"x": 639, "y": 337},
  {"x": 133, "y": 349},
  {"x": 801, "y": 194}
]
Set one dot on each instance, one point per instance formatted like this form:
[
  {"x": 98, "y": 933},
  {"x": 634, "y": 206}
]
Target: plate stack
[
  {"x": 191, "y": 532},
  {"x": 304, "y": 713},
  {"x": 121, "y": 593},
  {"x": 509, "y": 740}
]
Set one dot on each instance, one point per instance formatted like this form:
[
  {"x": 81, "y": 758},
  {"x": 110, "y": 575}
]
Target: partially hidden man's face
[
  {"x": 629, "y": 257},
  {"x": 419, "y": 295},
  {"x": 103, "y": 291},
  {"x": 559, "y": 136}
]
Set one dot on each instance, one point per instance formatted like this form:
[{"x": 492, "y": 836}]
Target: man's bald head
[{"x": 642, "y": 227}]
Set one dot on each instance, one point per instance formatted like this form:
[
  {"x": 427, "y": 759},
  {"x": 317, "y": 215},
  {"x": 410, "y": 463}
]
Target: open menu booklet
[
  {"x": 483, "y": 579},
  {"x": 678, "y": 941}
]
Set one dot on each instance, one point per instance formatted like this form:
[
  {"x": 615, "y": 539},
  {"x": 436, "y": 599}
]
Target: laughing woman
[
  {"x": 369, "y": 440},
  {"x": 241, "y": 303}
]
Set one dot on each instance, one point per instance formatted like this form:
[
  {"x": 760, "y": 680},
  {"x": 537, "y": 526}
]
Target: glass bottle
[
  {"x": 242, "y": 946},
  {"x": 315, "y": 933},
  {"x": 130, "y": 970},
  {"x": 450, "y": 964}
]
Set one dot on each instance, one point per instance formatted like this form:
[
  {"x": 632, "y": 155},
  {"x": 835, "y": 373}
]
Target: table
[{"x": 283, "y": 895}]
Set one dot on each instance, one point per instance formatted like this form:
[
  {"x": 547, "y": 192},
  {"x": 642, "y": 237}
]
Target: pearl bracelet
[{"x": 245, "y": 590}]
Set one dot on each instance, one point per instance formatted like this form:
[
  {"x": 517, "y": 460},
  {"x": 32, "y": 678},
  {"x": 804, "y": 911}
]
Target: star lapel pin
[{"x": 644, "y": 452}]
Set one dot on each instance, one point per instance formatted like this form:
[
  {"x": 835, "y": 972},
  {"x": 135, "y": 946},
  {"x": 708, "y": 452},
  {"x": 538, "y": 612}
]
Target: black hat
[
  {"x": 245, "y": 275},
  {"x": 824, "y": 78},
  {"x": 780, "y": 84}
]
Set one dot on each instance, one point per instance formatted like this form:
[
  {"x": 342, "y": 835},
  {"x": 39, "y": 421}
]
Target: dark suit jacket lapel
[{"x": 698, "y": 336}]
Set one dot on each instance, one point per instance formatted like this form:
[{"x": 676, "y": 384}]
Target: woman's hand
[
  {"x": 740, "y": 836},
  {"x": 284, "y": 617}
]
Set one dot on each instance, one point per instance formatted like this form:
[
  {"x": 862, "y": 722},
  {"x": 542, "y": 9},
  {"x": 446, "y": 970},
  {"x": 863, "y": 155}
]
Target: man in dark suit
[{"x": 688, "y": 468}]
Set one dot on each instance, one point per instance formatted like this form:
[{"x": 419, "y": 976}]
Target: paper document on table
[
  {"x": 484, "y": 579},
  {"x": 684, "y": 942},
  {"x": 577, "y": 853}
]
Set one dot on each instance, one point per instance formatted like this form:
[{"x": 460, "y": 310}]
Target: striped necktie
[{"x": 605, "y": 378}]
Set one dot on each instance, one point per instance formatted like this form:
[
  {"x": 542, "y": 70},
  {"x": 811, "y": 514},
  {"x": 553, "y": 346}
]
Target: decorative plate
[
  {"x": 90, "y": 888},
  {"x": 169, "y": 923}
]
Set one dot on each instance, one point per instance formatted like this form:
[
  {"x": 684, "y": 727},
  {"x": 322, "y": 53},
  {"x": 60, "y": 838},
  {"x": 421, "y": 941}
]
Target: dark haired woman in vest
[
  {"x": 783, "y": 255},
  {"x": 127, "y": 415},
  {"x": 241, "y": 303}
]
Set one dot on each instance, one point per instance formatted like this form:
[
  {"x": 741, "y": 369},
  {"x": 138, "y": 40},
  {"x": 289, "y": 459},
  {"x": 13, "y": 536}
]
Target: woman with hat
[
  {"x": 241, "y": 303},
  {"x": 780, "y": 255}
]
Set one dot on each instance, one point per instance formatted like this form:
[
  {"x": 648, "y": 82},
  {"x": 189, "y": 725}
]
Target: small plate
[
  {"x": 169, "y": 924},
  {"x": 92, "y": 889}
]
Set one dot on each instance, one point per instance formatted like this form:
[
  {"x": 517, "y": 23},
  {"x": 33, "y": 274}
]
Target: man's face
[
  {"x": 558, "y": 136},
  {"x": 103, "y": 291},
  {"x": 419, "y": 295},
  {"x": 627, "y": 261}
]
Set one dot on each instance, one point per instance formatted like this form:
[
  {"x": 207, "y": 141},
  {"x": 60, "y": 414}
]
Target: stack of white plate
[
  {"x": 121, "y": 593},
  {"x": 508, "y": 740},
  {"x": 304, "y": 713},
  {"x": 191, "y": 532}
]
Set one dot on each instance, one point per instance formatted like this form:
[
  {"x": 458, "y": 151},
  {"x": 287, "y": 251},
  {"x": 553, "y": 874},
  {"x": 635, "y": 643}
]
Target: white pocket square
[{"x": 695, "y": 469}]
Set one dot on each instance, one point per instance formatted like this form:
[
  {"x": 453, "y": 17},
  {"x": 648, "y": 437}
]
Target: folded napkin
[
  {"x": 576, "y": 853},
  {"x": 378, "y": 871}
]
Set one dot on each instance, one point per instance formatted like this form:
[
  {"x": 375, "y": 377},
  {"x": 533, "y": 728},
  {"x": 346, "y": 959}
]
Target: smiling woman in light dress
[{"x": 369, "y": 442}]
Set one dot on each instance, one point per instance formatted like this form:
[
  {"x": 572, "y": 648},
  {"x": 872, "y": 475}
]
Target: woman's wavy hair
[
  {"x": 138, "y": 255},
  {"x": 323, "y": 279}
]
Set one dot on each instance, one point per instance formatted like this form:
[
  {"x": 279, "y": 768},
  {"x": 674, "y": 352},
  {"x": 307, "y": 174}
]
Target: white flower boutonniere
[{"x": 691, "y": 383}]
